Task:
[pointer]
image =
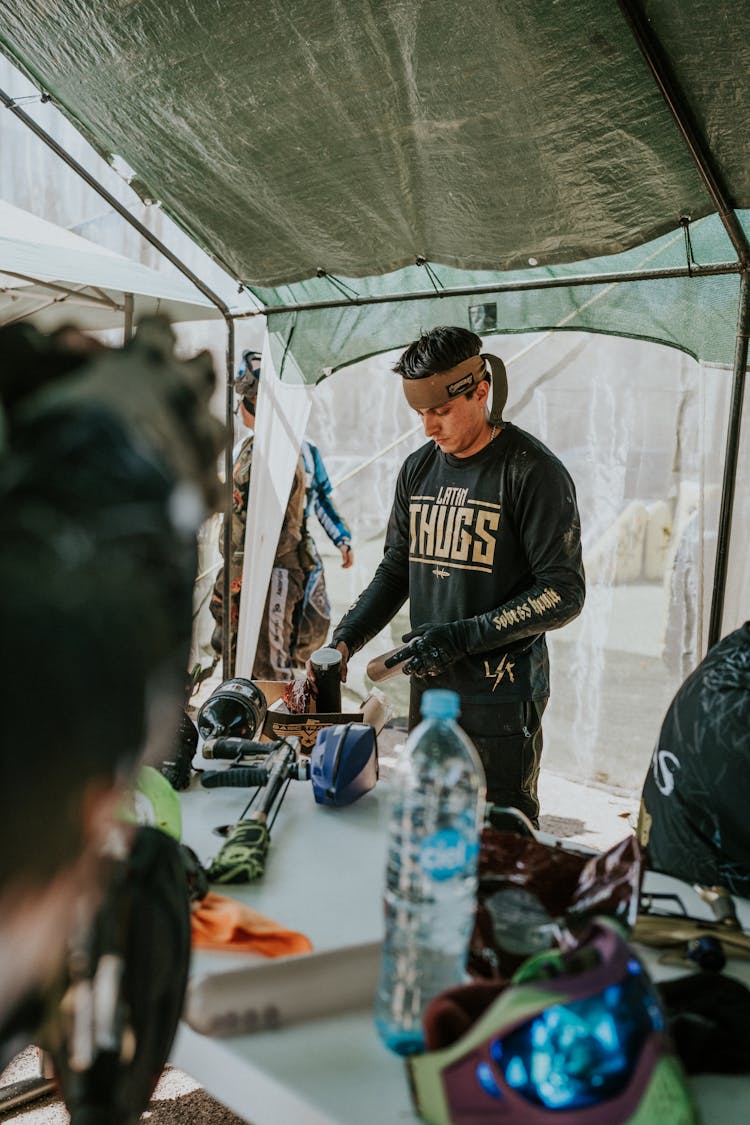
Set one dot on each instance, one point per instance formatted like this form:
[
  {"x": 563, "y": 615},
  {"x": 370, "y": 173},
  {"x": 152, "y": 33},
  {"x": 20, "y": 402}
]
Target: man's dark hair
[{"x": 437, "y": 350}]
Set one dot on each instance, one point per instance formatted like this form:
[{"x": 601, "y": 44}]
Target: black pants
[{"x": 508, "y": 739}]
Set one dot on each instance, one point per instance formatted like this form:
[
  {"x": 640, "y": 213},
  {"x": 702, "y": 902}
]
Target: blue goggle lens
[{"x": 579, "y": 1053}]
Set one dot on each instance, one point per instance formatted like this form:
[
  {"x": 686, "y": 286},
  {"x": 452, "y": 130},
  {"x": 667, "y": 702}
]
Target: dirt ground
[{"x": 177, "y": 1100}]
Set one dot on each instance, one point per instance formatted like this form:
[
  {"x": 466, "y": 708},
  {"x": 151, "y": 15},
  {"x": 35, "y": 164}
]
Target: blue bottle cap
[{"x": 440, "y": 704}]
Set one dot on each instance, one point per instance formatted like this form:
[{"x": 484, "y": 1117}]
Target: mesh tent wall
[{"x": 641, "y": 428}]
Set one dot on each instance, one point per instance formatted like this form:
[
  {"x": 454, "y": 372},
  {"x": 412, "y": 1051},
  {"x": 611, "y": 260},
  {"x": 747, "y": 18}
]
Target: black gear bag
[{"x": 114, "y": 1029}]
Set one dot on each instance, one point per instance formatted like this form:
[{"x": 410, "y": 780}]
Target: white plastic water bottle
[{"x": 431, "y": 875}]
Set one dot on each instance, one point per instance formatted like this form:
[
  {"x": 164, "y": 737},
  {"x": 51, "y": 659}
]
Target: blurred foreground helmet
[
  {"x": 577, "y": 1038},
  {"x": 161, "y": 401}
]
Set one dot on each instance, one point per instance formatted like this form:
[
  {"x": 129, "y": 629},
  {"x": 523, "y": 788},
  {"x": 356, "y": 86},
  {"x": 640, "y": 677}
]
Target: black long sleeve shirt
[{"x": 492, "y": 540}]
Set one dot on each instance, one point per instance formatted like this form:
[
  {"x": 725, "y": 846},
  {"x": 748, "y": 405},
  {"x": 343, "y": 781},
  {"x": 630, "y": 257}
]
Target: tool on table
[
  {"x": 243, "y": 856},
  {"x": 284, "y": 991},
  {"x": 722, "y": 905},
  {"x": 249, "y": 762},
  {"x": 326, "y": 663},
  {"x": 344, "y": 766},
  {"x": 680, "y": 935},
  {"x": 377, "y": 670}
]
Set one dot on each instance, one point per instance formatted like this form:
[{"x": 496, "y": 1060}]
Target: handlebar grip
[
  {"x": 229, "y": 748},
  {"x": 239, "y": 777}
]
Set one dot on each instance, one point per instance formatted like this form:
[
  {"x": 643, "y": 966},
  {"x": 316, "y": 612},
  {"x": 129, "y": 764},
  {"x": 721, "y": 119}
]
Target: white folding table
[{"x": 324, "y": 876}]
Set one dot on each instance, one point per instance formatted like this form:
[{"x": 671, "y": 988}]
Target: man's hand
[
  {"x": 347, "y": 555},
  {"x": 342, "y": 647},
  {"x": 430, "y": 650}
]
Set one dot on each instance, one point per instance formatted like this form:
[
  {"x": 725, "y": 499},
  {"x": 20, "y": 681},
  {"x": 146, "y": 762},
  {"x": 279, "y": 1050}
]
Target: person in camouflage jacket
[{"x": 274, "y": 654}]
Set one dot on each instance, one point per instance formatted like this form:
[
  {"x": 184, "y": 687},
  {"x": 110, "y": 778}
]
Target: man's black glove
[{"x": 431, "y": 649}]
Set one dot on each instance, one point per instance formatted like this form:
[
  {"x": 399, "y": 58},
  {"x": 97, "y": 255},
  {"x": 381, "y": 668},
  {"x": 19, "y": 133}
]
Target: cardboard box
[{"x": 281, "y": 724}]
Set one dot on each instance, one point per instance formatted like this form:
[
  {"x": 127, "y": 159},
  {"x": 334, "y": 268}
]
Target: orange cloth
[{"x": 218, "y": 922}]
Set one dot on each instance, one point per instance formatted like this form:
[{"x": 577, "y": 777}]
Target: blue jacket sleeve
[{"x": 330, "y": 519}]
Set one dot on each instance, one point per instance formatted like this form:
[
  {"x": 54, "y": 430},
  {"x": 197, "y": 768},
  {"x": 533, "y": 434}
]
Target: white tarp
[
  {"x": 281, "y": 418},
  {"x": 53, "y": 276}
]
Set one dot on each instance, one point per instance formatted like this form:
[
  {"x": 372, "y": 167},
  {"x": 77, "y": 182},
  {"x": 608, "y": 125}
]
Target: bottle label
[{"x": 447, "y": 853}]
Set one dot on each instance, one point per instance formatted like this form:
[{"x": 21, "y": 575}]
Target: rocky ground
[{"x": 177, "y": 1100}]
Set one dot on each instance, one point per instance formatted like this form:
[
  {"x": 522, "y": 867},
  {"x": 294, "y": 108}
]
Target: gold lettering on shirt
[
  {"x": 484, "y": 551},
  {"x": 454, "y": 530},
  {"x": 505, "y": 666},
  {"x": 452, "y": 495},
  {"x": 413, "y": 525},
  {"x": 428, "y": 519},
  {"x": 461, "y": 537},
  {"x": 516, "y": 615},
  {"x": 444, "y": 537},
  {"x": 548, "y": 599}
]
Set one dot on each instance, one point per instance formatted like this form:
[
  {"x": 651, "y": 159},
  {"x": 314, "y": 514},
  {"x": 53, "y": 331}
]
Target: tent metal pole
[
  {"x": 569, "y": 282},
  {"x": 731, "y": 457},
  {"x": 127, "y": 325},
  {"x": 227, "y": 658},
  {"x": 80, "y": 296},
  {"x": 113, "y": 202},
  {"x": 657, "y": 62},
  {"x": 31, "y": 310}
]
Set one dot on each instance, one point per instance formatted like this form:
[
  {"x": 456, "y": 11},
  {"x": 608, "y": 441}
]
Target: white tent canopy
[{"x": 54, "y": 277}]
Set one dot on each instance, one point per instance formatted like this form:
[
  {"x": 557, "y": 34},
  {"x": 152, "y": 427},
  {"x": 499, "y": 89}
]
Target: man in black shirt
[{"x": 484, "y": 540}]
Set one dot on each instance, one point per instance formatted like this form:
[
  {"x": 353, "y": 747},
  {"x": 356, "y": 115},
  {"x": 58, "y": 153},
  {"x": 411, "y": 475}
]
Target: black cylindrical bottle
[
  {"x": 326, "y": 664},
  {"x": 237, "y": 708}
]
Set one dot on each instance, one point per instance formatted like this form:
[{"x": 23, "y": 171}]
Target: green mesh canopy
[
  {"x": 493, "y": 139},
  {"x": 695, "y": 314}
]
